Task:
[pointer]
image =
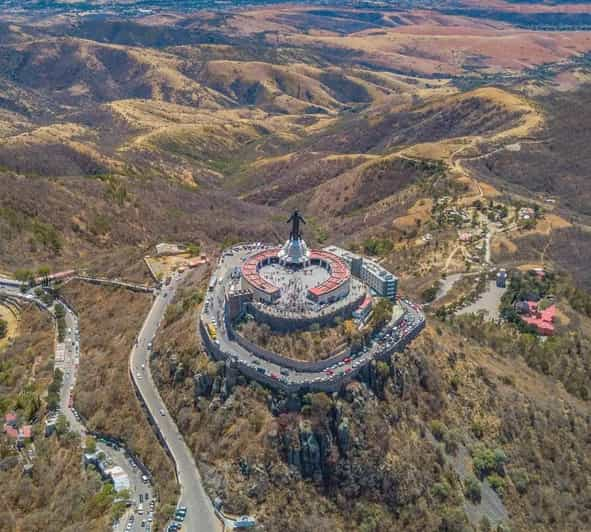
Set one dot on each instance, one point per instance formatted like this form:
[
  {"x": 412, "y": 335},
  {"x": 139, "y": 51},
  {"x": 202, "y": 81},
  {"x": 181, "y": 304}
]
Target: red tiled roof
[
  {"x": 365, "y": 303},
  {"x": 11, "y": 432},
  {"x": 26, "y": 431},
  {"x": 10, "y": 417},
  {"x": 339, "y": 273},
  {"x": 250, "y": 271},
  {"x": 543, "y": 320}
]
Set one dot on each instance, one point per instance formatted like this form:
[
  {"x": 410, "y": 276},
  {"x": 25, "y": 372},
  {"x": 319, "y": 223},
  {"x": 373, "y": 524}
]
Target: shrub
[
  {"x": 520, "y": 479},
  {"x": 452, "y": 442},
  {"x": 453, "y": 520},
  {"x": 3, "y": 328},
  {"x": 478, "y": 429},
  {"x": 472, "y": 489},
  {"x": 438, "y": 429},
  {"x": 440, "y": 490},
  {"x": 497, "y": 483},
  {"x": 487, "y": 461}
]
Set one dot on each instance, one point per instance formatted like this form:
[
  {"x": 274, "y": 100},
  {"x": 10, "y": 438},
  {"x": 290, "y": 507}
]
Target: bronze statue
[{"x": 295, "y": 220}]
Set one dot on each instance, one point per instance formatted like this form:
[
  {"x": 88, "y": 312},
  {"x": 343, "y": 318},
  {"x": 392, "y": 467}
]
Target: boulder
[
  {"x": 343, "y": 436},
  {"x": 202, "y": 384}
]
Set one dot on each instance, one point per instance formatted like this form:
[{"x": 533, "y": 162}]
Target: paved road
[
  {"x": 9, "y": 284},
  {"x": 69, "y": 366},
  {"x": 200, "y": 515}
]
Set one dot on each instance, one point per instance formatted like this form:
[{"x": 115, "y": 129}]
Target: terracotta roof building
[{"x": 541, "y": 320}]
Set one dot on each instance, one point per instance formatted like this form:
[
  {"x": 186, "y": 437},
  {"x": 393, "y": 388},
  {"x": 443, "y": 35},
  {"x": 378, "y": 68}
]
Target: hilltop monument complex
[{"x": 293, "y": 287}]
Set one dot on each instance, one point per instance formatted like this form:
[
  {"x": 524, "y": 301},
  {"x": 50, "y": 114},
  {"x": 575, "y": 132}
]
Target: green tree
[
  {"x": 440, "y": 490},
  {"x": 3, "y": 328},
  {"x": 194, "y": 248},
  {"x": 43, "y": 271},
  {"x": 438, "y": 429},
  {"x": 25, "y": 276},
  {"x": 454, "y": 520},
  {"x": 497, "y": 483},
  {"x": 90, "y": 444},
  {"x": 61, "y": 425},
  {"x": 382, "y": 369},
  {"x": 382, "y": 312}
]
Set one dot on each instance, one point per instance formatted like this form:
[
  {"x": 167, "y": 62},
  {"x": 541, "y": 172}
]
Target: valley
[{"x": 445, "y": 142}]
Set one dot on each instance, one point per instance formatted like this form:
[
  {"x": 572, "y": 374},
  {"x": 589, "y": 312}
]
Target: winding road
[{"x": 201, "y": 515}]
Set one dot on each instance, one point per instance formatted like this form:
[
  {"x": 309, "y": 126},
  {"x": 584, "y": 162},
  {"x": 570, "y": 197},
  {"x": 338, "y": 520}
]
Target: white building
[
  {"x": 381, "y": 281},
  {"x": 119, "y": 478}
]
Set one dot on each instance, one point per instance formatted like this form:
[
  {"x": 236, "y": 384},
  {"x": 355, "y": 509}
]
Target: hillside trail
[{"x": 450, "y": 257}]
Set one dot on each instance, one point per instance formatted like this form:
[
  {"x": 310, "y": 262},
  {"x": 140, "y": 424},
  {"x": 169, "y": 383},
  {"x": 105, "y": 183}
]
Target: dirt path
[{"x": 450, "y": 257}]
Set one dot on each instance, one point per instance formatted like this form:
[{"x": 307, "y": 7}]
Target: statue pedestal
[{"x": 294, "y": 253}]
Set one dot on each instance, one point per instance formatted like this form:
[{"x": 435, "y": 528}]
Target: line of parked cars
[{"x": 179, "y": 517}]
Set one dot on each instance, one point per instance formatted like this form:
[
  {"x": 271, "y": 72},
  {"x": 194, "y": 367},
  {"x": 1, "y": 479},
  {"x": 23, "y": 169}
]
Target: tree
[
  {"x": 382, "y": 312},
  {"x": 454, "y": 520},
  {"x": 61, "y": 425},
  {"x": 497, "y": 483},
  {"x": 124, "y": 494},
  {"x": 382, "y": 369},
  {"x": 194, "y": 248},
  {"x": 43, "y": 272},
  {"x": 3, "y": 328},
  {"x": 319, "y": 403},
  {"x": 90, "y": 444},
  {"x": 25, "y": 276}
]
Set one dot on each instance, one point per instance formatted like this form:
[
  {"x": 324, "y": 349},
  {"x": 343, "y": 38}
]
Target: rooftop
[
  {"x": 542, "y": 320},
  {"x": 273, "y": 278}
]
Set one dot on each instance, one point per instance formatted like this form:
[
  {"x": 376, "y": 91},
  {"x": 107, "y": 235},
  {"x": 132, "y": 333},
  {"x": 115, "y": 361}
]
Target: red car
[
  {"x": 329, "y": 371},
  {"x": 274, "y": 376},
  {"x": 347, "y": 360},
  {"x": 347, "y": 370}
]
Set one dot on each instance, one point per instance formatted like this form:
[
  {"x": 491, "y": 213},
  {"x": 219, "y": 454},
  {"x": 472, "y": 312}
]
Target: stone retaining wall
[
  {"x": 334, "y": 385},
  {"x": 290, "y": 324}
]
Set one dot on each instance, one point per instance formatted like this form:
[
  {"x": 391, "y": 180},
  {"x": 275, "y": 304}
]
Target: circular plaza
[
  {"x": 262, "y": 298},
  {"x": 293, "y": 286}
]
